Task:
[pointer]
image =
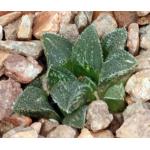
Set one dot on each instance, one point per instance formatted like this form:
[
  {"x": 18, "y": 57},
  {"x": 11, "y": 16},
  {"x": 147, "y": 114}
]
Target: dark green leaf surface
[
  {"x": 117, "y": 68},
  {"x": 57, "y": 49},
  {"x": 114, "y": 98},
  {"x": 87, "y": 53},
  {"x": 56, "y": 74},
  {"x": 77, "y": 118},
  {"x": 33, "y": 102},
  {"x": 114, "y": 41},
  {"x": 70, "y": 95},
  {"x": 103, "y": 87},
  {"x": 119, "y": 64},
  {"x": 91, "y": 88}
]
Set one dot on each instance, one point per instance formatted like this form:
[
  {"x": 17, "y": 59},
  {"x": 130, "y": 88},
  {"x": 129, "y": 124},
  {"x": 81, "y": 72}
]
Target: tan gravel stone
[
  {"x": 81, "y": 20},
  {"x": 10, "y": 17},
  {"x": 133, "y": 38},
  {"x": 142, "y": 13},
  {"x": 27, "y": 48},
  {"x": 145, "y": 37},
  {"x": 136, "y": 126},
  {"x": 25, "y": 27},
  {"x": 66, "y": 17},
  {"x": 105, "y": 23},
  {"x": 69, "y": 31},
  {"x": 19, "y": 120},
  {"x": 21, "y": 69},
  {"x": 9, "y": 91},
  {"x": 85, "y": 133},
  {"x": 134, "y": 108},
  {"x": 37, "y": 126},
  {"x": 98, "y": 116},
  {"x": 21, "y": 132},
  {"x": 46, "y": 22},
  {"x": 11, "y": 29},
  {"x": 82, "y": 16},
  {"x": 124, "y": 18},
  {"x": 138, "y": 86},
  {"x": 63, "y": 131},
  {"x": 143, "y": 60},
  {"x": 48, "y": 125}
]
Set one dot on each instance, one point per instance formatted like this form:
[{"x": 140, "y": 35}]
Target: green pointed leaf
[
  {"x": 70, "y": 95},
  {"x": 103, "y": 87},
  {"x": 119, "y": 64},
  {"x": 87, "y": 54},
  {"x": 54, "y": 75},
  {"x": 114, "y": 41},
  {"x": 77, "y": 118},
  {"x": 57, "y": 49},
  {"x": 91, "y": 88},
  {"x": 117, "y": 68},
  {"x": 33, "y": 102},
  {"x": 114, "y": 98}
]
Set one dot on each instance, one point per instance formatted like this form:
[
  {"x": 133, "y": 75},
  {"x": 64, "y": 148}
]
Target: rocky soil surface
[{"x": 22, "y": 60}]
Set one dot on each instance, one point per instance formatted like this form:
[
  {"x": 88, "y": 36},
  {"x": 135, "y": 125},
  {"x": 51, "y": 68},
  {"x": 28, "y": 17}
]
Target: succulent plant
[{"x": 75, "y": 72}]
